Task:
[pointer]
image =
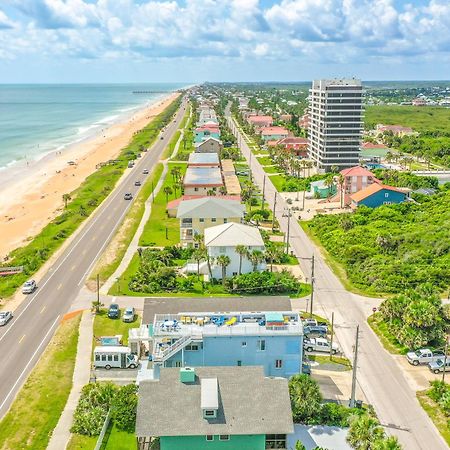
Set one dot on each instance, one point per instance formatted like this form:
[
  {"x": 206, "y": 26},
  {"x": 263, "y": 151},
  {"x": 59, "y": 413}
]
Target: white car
[
  {"x": 29, "y": 287},
  {"x": 320, "y": 345},
  {"x": 5, "y": 317}
]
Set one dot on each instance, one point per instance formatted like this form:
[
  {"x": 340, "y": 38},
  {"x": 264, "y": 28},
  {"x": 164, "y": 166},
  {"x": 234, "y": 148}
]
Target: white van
[{"x": 108, "y": 356}]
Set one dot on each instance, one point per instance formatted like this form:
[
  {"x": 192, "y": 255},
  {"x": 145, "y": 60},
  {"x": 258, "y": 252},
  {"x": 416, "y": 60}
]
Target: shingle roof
[
  {"x": 249, "y": 403},
  {"x": 372, "y": 189},
  {"x": 232, "y": 234},
  {"x": 205, "y": 176},
  {"x": 210, "y": 207}
]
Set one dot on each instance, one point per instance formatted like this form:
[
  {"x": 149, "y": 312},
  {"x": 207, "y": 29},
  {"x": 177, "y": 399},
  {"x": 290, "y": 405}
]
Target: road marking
[
  {"x": 29, "y": 362},
  {"x": 84, "y": 251},
  {"x": 73, "y": 267},
  {"x": 59, "y": 287},
  {"x": 21, "y": 339},
  {"x": 43, "y": 309},
  {"x": 94, "y": 238}
]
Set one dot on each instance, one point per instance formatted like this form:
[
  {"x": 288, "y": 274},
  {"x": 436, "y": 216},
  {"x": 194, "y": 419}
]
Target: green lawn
[
  {"x": 388, "y": 340},
  {"x": 170, "y": 148},
  {"x": 278, "y": 181},
  {"x": 124, "y": 234},
  {"x": 272, "y": 169},
  {"x": 440, "y": 420},
  {"x": 265, "y": 161},
  {"x": 154, "y": 234},
  {"x": 338, "y": 360},
  {"x": 39, "y": 404},
  {"x": 104, "y": 326},
  {"x": 84, "y": 201},
  {"x": 79, "y": 442},
  {"x": 419, "y": 118}
]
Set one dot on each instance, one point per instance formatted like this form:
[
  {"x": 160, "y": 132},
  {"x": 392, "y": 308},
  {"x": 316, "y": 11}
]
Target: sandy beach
[{"x": 32, "y": 196}]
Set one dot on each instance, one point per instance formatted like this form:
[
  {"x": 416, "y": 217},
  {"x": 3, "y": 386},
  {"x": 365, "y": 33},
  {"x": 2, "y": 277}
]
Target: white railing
[{"x": 161, "y": 355}]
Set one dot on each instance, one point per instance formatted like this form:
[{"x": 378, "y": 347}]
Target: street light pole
[
  {"x": 288, "y": 228},
  {"x": 332, "y": 332},
  {"x": 355, "y": 362}
]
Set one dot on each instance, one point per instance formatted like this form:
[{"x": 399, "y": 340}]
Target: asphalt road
[
  {"x": 379, "y": 376},
  {"x": 26, "y": 336}
]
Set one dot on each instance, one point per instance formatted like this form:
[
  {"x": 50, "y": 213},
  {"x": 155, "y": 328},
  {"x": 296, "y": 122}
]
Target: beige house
[
  {"x": 201, "y": 180},
  {"x": 196, "y": 215}
]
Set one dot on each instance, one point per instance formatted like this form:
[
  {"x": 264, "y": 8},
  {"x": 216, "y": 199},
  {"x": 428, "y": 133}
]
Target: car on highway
[
  {"x": 128, "y": 315},
  {"x": 439, "y": 366},
  {"x": 424, "y": 356},
  {"x": 320, "y": 345},
  {"x": 137, "y": 183},
  {"x": 113, "y": 311},
  {"x": 128, "y": 196},
  {"x": 29, "y": 287},
  {"x": 162, "y": 137},
  {"x": 5, "y": 317},
  {"x": 145, "y": 171}
]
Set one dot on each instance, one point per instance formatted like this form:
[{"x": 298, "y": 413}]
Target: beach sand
[{"x": 29, "y": 199}]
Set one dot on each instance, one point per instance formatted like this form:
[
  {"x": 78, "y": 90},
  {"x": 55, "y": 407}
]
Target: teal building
[{"x": 213, "y": 408}]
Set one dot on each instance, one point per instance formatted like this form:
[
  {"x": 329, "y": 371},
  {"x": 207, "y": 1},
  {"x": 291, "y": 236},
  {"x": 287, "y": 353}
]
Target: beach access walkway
[
  {"x": 134, "y": 244},
  {"x": 81, "y": 375}
]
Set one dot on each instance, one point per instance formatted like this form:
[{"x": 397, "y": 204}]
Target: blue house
[
  {"x": 273, "y": 340},
  {"x": 376, "y": 195},
  {"x": 205, "y": 132}
]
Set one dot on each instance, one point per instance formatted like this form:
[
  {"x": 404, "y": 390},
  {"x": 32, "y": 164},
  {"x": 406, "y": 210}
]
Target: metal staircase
[{"x": 163, "y": 354}]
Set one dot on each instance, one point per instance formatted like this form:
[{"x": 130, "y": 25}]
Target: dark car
[
  {"x": 315, "y": 331},
  {"x": 137, "y": 183},
  {"x": 113, "y": 311},
  {"x": 145, "y": 171},
  {"x": 128, "y": 196}
]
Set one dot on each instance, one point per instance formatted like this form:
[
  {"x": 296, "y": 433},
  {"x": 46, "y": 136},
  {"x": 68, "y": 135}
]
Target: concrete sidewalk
[{"x": 61, "y": 434}]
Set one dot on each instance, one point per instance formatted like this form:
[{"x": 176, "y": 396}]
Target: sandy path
[{"x": 29, "y": 202}]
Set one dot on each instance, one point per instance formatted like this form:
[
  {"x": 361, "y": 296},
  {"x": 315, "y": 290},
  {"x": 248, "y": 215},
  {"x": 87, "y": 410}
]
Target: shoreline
[{"x": 31, "y": 196}]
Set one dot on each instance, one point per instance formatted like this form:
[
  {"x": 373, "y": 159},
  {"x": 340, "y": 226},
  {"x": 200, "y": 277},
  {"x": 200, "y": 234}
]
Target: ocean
[{"x": 38, "y": 119}]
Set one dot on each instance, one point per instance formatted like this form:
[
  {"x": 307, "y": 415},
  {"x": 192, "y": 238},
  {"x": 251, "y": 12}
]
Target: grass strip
[
  {"x": 114, "y": 253},
  {"x": 435, "y": 413},
  {"x": 85, "y": 199},
  {"x": 388, "y": 340},
  {"x": 39, "y": 404}
]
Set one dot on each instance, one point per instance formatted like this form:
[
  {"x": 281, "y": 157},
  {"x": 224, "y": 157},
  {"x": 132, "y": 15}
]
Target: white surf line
[{"x": 29, "y": 362}]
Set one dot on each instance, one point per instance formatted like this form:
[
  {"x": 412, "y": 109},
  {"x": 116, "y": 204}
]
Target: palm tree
[
  {"x": 329, "y": 182},
  {"x": 271, "y": 254},
  {"x": 223, "y": 190},
  {"x": 211, "y": 193},
  {"x": 341, "y": 180},
  {"x": 199, "y": 255},
  {"x": 223, "y": 261},
  {"x": 242, "y": 251},
  {"x": 364, "y": 431},
  {"x": 168, "y": 191},
  {"x": 257, "y": 218},
  {"x": 256, "y": 256},
  {"x": 66, "y": 198},
  {"x": 388, "y": 443}
]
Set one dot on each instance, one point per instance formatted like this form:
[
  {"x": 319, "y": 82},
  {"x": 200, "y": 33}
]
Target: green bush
[{"x": 124, "y": 406}]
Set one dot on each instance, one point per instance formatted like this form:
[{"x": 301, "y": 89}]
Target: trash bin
[{"x": 358, "y": 404}]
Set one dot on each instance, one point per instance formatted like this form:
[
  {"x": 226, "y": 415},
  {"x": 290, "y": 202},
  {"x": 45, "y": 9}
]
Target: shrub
[{"x": 124, "y": 406}]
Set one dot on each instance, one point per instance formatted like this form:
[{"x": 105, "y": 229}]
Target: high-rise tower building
[{"x": 336, "y": 114}]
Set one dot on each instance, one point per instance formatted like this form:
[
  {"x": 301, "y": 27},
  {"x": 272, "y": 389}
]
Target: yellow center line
[
  {"x": 43, "y": 309},
  {"x": 21, "y": 339}
]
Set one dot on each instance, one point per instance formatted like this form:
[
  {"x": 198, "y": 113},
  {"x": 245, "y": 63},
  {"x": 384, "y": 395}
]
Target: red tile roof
[
  {"x": 274, "y": 130},
  {"x": 372, "y": 189},
  {"x": 357, "y": 171},
  {"x": 371, "y": 145}
]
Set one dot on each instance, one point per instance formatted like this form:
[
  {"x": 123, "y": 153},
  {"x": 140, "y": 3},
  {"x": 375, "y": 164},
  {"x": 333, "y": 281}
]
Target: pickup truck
[
  {"x": 320, "y": 345},
  {"x": 424, "y": 356},
  {"x": 438, "y": 366}
]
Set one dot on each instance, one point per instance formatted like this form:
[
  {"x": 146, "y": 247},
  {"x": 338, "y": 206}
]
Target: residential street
[
  {"x": 24, "y": 339},
  {"x": 379, "y": 376}
]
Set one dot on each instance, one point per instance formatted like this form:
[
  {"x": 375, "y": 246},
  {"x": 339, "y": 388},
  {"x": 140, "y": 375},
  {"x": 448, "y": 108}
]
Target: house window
[
  {"x": 210, "y": 413},
  {"x": 244, "y": 344},
  {"x": 201, "y": 220},
  {"x": 261, "y": 345},
  {"x": 386, "y": 194},
  {"x": 239, "y": 363},
  {"x": 192, "y": 348},
  {"x": 278, "y": 363},
  {"x": 177, "y": 363},
  {"x": 213, "y": 219},
  {"x": 387, "y": 203},
  {"x": 224, "y": 437},
  {"x": 225, "y": 220},
  {"x": 222, "y": 249},
  {"x": 196, "y": 189},
  {"x": 209, "y": 437},
  {"x": 275, "y": 441}
]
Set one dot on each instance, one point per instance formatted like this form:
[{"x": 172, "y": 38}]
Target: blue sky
[{"x": 223, "y": 40}]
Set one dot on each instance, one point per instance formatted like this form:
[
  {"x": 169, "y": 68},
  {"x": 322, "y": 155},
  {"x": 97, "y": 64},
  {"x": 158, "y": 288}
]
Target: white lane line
[
  {"x": 21, "y": 339},
  {"x": 43, "y": 309},
  {"x": 29, "y": 362}
]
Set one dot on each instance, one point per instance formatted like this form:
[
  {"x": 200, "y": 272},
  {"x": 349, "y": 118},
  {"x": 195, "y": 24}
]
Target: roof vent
[
  {"x": 209, "y": 399},
  {"x": 187, "y": 375}
]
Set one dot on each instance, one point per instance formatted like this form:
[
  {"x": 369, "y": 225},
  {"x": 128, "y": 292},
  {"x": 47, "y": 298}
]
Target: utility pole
[
  {"x": 303, "y": 206},
  {"x": 263, "y": 192},
  {"x": 445, "y": 359},
  {"x": 287, "y": 236},
  {"x": 312, "y": 285},
  {"x": 332, "y": 331},
  {"x": 355, "y": 363},
  {"x": 153, "y": 193},
  {"x": 98, "y": 290},
  {"x": 273, "y": 214}
]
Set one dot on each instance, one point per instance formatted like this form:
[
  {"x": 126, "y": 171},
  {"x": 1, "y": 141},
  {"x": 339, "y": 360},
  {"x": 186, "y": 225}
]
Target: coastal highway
[
  {"x": 24, "y": 339},
  {"x": 379, "y": 376}
]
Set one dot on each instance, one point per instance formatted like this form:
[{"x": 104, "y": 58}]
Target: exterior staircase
[{"x": 163, "y": 354}]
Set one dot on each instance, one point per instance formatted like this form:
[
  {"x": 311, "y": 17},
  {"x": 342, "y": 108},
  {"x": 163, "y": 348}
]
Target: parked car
[
  {"x": 113, "y": 311},
  {"x": 128, "y": 315},
  {"x": 137, "y": 183},
  {"x": 315, "y": 331},
  {"x": 310, "y": 322},
  {"x": 5, "y": 317},
  {"x": 145, "y": 171},
  {"x": 320, "y": 345},
  {"x": 127, "y": 196},
  {"x": 439, "y": 366},
  {"x": 424, "y": 356},
  {"x": 130, "y": 164},
  {"x": 29, "y": 287}
]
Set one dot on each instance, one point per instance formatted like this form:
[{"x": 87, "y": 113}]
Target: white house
[{"x": 223, "y": 239}]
